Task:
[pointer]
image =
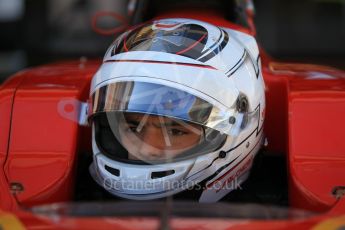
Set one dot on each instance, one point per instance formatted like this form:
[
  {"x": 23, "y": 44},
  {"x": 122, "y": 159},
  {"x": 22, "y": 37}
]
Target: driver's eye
[
  {"x": 177, "y": 132},
  {"x": 133, "y": 129}
]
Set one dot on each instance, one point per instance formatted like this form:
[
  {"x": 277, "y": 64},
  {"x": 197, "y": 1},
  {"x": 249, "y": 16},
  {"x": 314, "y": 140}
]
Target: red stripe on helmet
[
  {"x": 166, "y": 25},
  {"x": 165, "y": 62},
  {"x": 191, "y": 46},
  {"x": 230, "y": 170}
]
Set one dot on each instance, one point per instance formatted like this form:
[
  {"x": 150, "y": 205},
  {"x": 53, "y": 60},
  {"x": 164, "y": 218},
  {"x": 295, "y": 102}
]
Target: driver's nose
[{"x": 153, "y": 143}]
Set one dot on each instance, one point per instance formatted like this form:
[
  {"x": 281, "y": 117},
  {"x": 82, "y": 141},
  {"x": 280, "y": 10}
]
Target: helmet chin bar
[
  {"x": 137, "y": 179},
  {"x": 240, "y": 157},
  {"x": 147, "y": 196},
  {"x": 185, "y": 176}
]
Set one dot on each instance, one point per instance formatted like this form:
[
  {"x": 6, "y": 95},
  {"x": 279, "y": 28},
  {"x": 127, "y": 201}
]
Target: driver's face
[{"x": 148, "y": 137}]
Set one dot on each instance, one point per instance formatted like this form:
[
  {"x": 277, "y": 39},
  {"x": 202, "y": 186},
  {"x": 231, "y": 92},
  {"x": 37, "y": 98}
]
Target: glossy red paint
[
  {"x": 42, "y": 154},
  {"x": 334, "y": 218},
  {"x": 316, "y": 137},
  {"x": 276, "y": 112},
  {"x": 39, "y": 145},
  {"x": 175, "y": 223},
  {"x": 7, "y": 92}
]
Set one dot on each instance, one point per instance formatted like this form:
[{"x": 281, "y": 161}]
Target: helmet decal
[
  {"x": 186, "y": 39},
  {"x": 217, "y": 47}
]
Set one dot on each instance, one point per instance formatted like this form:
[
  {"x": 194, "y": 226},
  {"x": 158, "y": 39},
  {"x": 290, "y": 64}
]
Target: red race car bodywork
[{"x": 40, "y": 139}]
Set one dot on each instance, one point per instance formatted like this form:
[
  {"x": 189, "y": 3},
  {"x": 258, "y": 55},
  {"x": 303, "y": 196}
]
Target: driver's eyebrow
[
  {"x": 155, "y": 124},
  {"x": 168, "y": 124},
  {"x": 133, "y": 122},
  {"x": 158, "y": 124},
  {"x": 136, "y": 121}
]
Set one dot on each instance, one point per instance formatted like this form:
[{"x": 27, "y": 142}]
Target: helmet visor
[
  {"x": 153, "y": 123},
  {"x": 163, "y": 100},
  {"x": 135, "y": 137}
]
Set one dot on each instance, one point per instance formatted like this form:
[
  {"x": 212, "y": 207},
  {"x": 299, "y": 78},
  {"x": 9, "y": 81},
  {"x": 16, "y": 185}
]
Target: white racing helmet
[{"x": 176, "y": 104}]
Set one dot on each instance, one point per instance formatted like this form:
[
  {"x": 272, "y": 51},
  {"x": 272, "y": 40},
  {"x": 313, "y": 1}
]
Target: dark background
[{"x": 34, "y": 32}]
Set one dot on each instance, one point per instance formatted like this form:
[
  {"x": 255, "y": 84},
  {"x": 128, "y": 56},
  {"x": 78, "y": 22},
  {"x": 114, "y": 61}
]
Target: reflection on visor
[
  {"x": 148, "y": 122},
  {"x": 148, "y": 137},
  {"x": 151, "y": 98},
  {"x": 152, "y": 139},
  {"x": 183, "y": 39}
]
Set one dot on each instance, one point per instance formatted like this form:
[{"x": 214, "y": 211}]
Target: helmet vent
[
  {"x": 113, "y": 171},
  {"x": 242, "y": 103},
  {"x": 155, "y": 175}
]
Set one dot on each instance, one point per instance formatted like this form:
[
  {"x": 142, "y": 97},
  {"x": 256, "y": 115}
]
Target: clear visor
[
  {"x": 162, "y": 100},
  {"x": 139, "y": 137},
  {"x": 148, "y": 122}
]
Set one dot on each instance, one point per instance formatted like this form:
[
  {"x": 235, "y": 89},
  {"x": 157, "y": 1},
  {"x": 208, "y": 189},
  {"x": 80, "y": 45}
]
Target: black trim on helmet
[
  {"x": 219, "y": 48},
  {"x": 193, "y": 39}
]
